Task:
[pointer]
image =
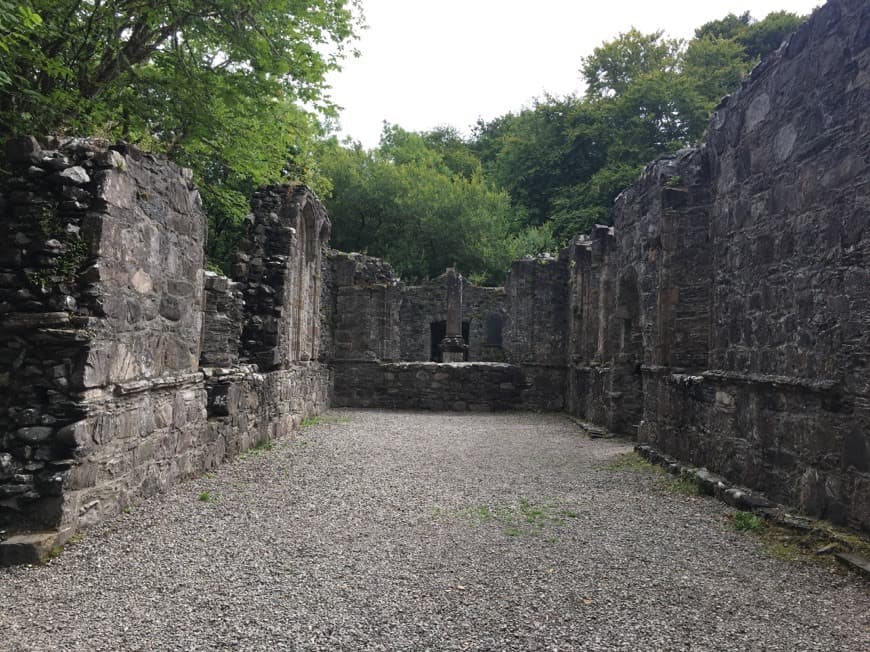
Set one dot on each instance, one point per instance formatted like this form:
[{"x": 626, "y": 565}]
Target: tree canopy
[
  {"x": 218, "y": 85},
  {"x": 564, "y": 160},
  {"x": 422, "y": 202},
  {"x": 235, "y": 90}
]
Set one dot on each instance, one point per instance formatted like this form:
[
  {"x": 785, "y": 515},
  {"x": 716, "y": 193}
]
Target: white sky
[{"x": 426, "y": 63}]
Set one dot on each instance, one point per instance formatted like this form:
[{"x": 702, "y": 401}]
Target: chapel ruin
[{"x": 724, "y": 318}]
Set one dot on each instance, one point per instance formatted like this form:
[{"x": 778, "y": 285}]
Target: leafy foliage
[
  {"x": 217, "y": 85},
  {"x": 421, "y": 202},
  {"x": 756, "y": 38},
  {"x": 235, "y": 89},
  {"x": 564, "y": 160}
]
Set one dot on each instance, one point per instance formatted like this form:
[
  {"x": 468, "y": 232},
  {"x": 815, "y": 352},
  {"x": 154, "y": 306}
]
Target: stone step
[
  {"x": 29, "y": 548},
  {"x": 856, "y": 562}
]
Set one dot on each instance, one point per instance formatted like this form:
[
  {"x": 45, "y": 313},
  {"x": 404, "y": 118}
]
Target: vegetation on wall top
[{"x": 235, "y": 90}]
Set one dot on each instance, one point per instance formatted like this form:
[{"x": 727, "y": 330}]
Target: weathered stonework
[
  {"x": 361, "y": 308},
  {"x": 106, "y": 318},
  {"x": 101, "y": 318},
  {"x": 458, "y": 386},
  {"x": 280, "y": 264},
  {"x": 737, "y": 279},
  {"x": 425, "y": 305},
  {"x": 372, "y": 318},
  {"x": 724, "y": 316},
  {"x": 224, "y": 319},
  {"x": 537, "y": 295}
]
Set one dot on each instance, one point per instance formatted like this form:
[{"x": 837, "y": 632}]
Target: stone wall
[
  {"x": 457, "y": 386},
  {"x": 722, "y": 318},
  {"x": 280, "y": 264},
  {"x": 361, "y": 308},
  {"x": 537, "y": 327},
  {"x": 736, "y": 284},
  {"x": 106, "y": 318},
  {"x": 270, "y": 322},
  {"x": 372, "y": 318},
  {"x": 483, "y": 309},
  {"x": 102, "y": 319}
]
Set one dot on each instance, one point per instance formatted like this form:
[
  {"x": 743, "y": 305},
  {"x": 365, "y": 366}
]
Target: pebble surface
[{"x": 377, "y": 530}]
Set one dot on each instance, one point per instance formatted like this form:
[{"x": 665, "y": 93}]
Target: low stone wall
[
  {"x": 136, "y": 440},
  {"x": 784, "y": 436},
  {"x": 477, "y": 386},
  {"x": 246, "y": 407},
  {"x": 456, "y": 386}
]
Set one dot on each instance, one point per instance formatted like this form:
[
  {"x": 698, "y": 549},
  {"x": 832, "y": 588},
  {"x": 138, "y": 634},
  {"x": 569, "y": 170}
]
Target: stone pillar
[{"x": 453, "y": 346}]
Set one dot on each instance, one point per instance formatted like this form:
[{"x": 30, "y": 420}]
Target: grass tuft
[
  {"x": 747, "y": 522},
  {"x": 684, "y": 486},
  {"x": 631, "y": 461},
  {"x": 522, "y": 518}
]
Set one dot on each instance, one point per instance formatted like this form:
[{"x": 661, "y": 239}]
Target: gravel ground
[{"x": 412, "y": 531}]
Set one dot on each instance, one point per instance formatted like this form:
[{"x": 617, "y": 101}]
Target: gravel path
[{"x": 413, "y": 531}]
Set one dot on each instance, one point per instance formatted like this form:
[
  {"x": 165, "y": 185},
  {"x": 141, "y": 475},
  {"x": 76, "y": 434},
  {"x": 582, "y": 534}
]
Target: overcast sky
[{"x": 426, "y": 63}]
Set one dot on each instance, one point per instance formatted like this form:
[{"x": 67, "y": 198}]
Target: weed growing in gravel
[
  {"x": 54, "y": 551},
  {"x": 206, "y": 497},
  {"x": 684, "y": 486},
  {"x": 525, "y": 517},
  {"x": 256, "y": 449},
  {"x": 813, "y": 545},
  {"x": 634, "y": 463},
  {"x": 747, "y": 522},
  {"x": 631, "y": 461}
]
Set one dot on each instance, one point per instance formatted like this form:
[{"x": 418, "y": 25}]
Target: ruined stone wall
[
  {"x": 484, "y": 310},
  {"x": 537, "y": 333},
  {"x": 280, "y": 264},
  {"x": 105, "y": 315},
  {"x": 739, "y": 282},
  {"x": 590, "y": 340},
  {"x": 374, "y": 319},
  {"x": 271, "y": 323},
  {"x": 102, "y": 318},
  {"x": 362, "y": 308},
  {"x": 457, "y": 386}
]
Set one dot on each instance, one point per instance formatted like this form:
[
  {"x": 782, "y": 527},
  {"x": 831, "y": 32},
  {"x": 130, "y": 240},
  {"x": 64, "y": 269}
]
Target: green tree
[
  {"x": 83, "y": 51},
  {"x": 762, "y": 37},
  {"x": 563, "y": 161},
  {"x": 728, "y": 27},
  {"x": 536, "y": 152},
  {"x": 757, "y": 38},
  {"x": 615, "y": 65},
  {"x": 217, "y": 85},
  {"x": 405, "y": 201},
  {"x": 17, "y": 22}
]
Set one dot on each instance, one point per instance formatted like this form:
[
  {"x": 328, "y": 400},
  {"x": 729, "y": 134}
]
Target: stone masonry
[
  {"x": 375, "y": 326},
  {"x": 123, "y": 366},
  {"x": 723, "y": 318}
]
